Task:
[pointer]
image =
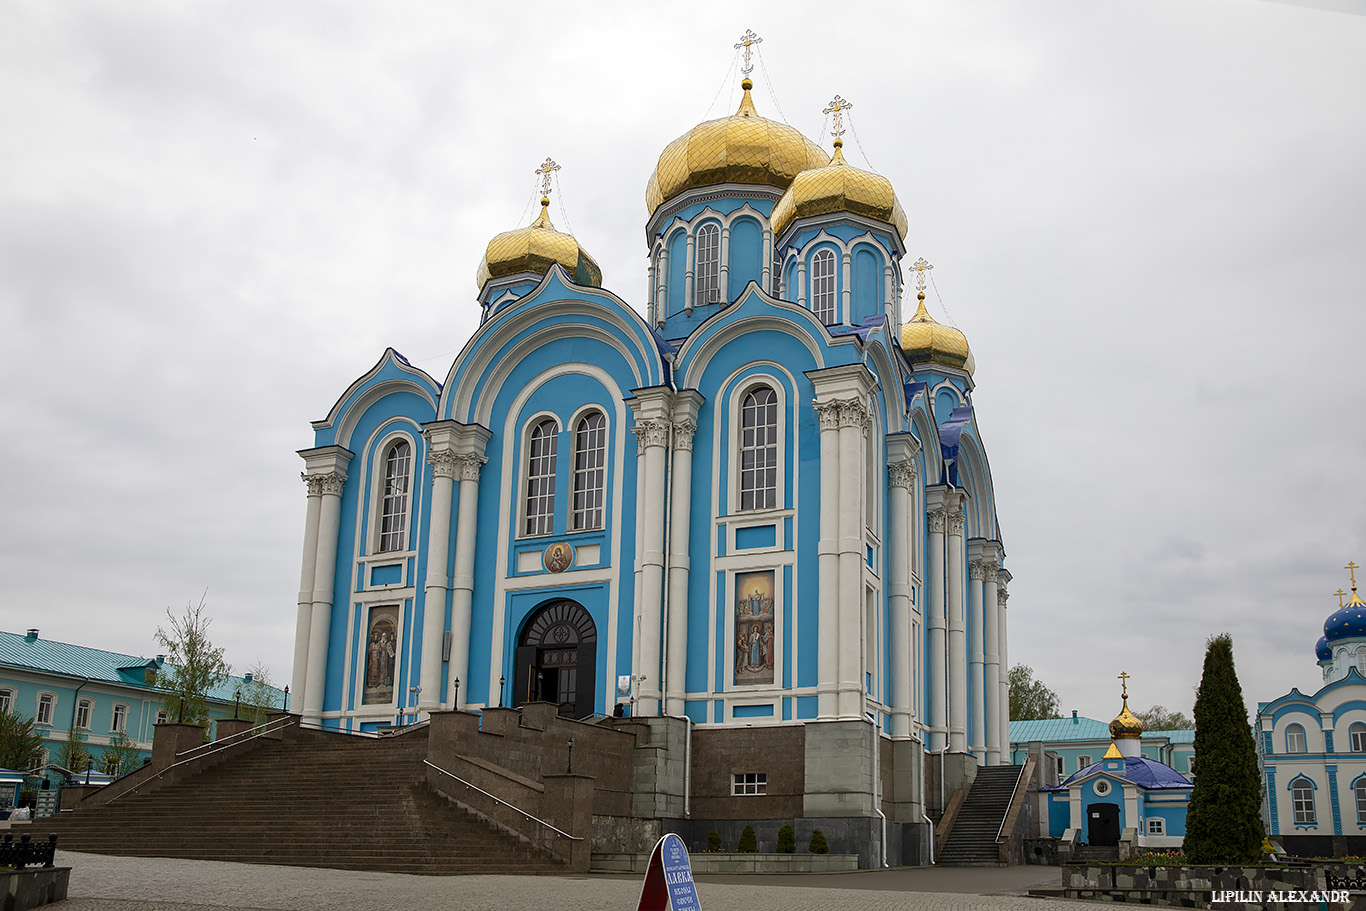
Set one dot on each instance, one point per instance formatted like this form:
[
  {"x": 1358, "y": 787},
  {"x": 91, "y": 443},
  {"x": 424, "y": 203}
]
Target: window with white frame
[
  {"x": 1294, "y": 739},
  {"x": 46, "y": 703},
  {"x": 1157, "y": 825},
  {"x": 707, "y": 276},
  {"x": 119, "y": 725},
  {"x": 1083, "y": 762},
  {"x": 1302, "y": 798},
  {"x": 590, "y": 470},
  {"x": 540, "y": 478},
  {"x": 1102, "y": 787},
  {"x": 823, "y": 286},
  {"x": 759, "y": 449},
  {"x": 775, "y": 274},
  {"x": 1361, "y": 661},
  {"x": 749, "y": 783},
  {"x": 44, "y": 757},
  {"x": 394, "y": 505},
  {"x": 83, "y": 714},
  {"x": 6, "y": 701},
  {"x": 1359, "y": 790},
  {"x": 1357, "y": 733}
]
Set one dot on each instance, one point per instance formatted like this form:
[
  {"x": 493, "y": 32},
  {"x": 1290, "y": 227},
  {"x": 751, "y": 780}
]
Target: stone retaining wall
[
  {"x": 23, "y": 889},
  {"x": 1232, "y": 888},
  {"x": 735, "y": 863}
]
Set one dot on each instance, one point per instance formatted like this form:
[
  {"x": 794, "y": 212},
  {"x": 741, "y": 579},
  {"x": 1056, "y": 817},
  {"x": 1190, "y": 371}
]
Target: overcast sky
[{"x": 1148, "y": 217}]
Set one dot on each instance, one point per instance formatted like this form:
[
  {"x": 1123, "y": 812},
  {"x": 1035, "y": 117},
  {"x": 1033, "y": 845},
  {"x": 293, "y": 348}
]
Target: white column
[
  {"x": 936, "y": 644},
  {"x": 325, "y": 570},
  {"x": 688, "y": 277},
  {"x": 650, "y": 292},
  {"x": 991, "y": 654},
  {"x": 299, "y": 676},
  {"x": 1002, "y": 577},
  {"x": 801, "y": 281},
  {"x": 652, "y": 439},
  {"x": 977, "y": 740},
  {"x": 437, "y": 586},
  {"x": 846, "y": 292},
  {"x": 853, "y": 434},
  {"x": 958, "y": 651},
  {"x": 766, "y": 276},
  {"x": 462, "y": 583},
  {"x": 887, "y": 301},
  {"x": 724, "y": 283},
  {"x": 901, "y": 478},
  {"x": 828, "y": 566},
  {"x": 662, "y": 286},
  {"x": 680, "y": 516}
]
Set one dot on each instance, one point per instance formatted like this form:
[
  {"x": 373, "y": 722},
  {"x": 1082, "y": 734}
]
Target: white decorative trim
[
  {"x": 327, "y": 484},
  {"x": 902, "y": 474}
]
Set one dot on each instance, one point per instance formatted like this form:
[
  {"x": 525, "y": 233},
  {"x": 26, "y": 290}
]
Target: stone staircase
[
  {"x": 327, "y": 801},
  {"x": 1095, "y": 854},
  {"x": 972, "y": 841}
]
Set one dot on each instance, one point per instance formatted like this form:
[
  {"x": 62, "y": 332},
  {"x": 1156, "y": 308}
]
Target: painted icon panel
[
  {"x": 381, "y": 646},
  {"x": 754, "y": 631}
]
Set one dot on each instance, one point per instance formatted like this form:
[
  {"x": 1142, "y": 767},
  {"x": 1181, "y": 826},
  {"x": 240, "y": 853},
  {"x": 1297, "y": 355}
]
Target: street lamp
[
  {"x": 237, "y": 703},
  {"x": 455, "y": 699},
  {"x": 286, "y": 708},
  {"x": 569, "y": 767},
  {"x": 501, "y": 681}
]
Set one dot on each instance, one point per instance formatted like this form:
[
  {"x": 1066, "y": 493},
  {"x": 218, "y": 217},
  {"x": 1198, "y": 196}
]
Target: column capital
[
  {"x": 651, "y": 432},
  {"x": 957, "y": 521},
  {"x": 937, "y": 519},
  {"x": 683, "y": 434},
  {"x": 324, "y": 483},
  {"x": 977, "y": 570},
  {"x": 458, "y": 466},
  {"x": 828, "y": 414},
  {"x": 855, "y": 413},
  {"x": 1002, "y": 596},
  {"x": 902, "y": 474}
]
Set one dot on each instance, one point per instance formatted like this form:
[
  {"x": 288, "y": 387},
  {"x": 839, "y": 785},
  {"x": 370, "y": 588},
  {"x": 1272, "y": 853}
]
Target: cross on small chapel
[
  {"x": 921, "y": 266},
  {"x": 1124, "y": 682},
  {"x": 547, "y": 168},
  {"x": 1341, "y": 594},
  {"x": 1352, "y": 568},
  {"x": 748, "y": 40},
  {"x": 837, "y": 108}
]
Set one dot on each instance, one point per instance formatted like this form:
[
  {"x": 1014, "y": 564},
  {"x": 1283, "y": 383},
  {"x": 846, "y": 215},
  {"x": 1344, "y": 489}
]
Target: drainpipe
[
  {"x": 76, "y": 702},
  {"x": 873, "y": 718}
]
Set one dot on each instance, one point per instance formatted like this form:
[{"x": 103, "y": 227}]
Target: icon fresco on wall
[
  {"x": 558, "y": 557},
  {"x": 754, "y": 631},
  {"x": 380, "y": 648}
]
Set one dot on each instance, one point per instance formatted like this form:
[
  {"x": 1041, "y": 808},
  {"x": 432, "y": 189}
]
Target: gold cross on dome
[
  {"x": 1352, "y": 568},
  {"x": 921, "y": 266},
  {"x": 1341, "y": 594},
  {"x": 547, "y": 168},
  {"x": 748, "y": 40},
  {"x": 837, "y": 108},
  {"x": 1124, "y": 682}
]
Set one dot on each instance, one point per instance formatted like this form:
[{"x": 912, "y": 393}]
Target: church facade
[{"x": 759, "y": 502}]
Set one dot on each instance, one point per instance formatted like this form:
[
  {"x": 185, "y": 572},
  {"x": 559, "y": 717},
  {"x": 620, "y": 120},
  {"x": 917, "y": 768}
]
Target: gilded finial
[
  {"x": 547, "y": 168},
  {"x": 1352, "y": 568},
  {"x": 836, "y": 109},
  {"x": 1124, "y": 682},
  {"x": 921, "y": 266},
  {"x": 747, "y": 41}
]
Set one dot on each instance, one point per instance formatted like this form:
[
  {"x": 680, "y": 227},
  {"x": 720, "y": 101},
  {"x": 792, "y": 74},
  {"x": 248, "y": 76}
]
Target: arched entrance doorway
[{"x": 556, "y": 657}]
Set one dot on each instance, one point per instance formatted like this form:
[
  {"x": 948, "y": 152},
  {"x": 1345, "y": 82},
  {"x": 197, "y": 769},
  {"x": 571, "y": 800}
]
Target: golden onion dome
[
  {"x": 536, "y": 248},
  {"x": 741, "y": 148},
  {"x": 923, "y": 339},
  {"x": 1126, "y": 725},
  {"x": 839, "y": 187}
]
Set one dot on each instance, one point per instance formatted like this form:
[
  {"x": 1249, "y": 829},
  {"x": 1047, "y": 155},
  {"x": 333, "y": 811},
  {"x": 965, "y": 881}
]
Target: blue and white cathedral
[{"x": 758, "y": 498}]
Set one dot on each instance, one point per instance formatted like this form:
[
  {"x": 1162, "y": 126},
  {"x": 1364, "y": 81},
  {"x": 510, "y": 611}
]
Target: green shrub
[
  {"x": 818, "y": 844},
  {"x": 748, "y": 843},
  {"x": 713, "y": 842},
  {"x": 787, "y": 840}
]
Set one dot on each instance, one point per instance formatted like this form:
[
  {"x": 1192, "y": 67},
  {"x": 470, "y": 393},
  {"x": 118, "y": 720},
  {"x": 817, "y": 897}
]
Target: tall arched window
[
  {"x": 393, "y": 520},
  {"x": 1294, "y": 739},
  {"x": 1357, "y": 733},
  {"x": 540, "y": 479},
  {"x": 823, "y": 286},
  {"x": 707, "y": 275},
  {"x": 759, "y": 449},
  {"x": 590, "y": 470},
  {"x": 1360, "y": 789},
  {"x": 1302, "y": 798}
]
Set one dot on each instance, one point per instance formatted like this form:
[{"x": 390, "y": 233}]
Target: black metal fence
[{"x": 27, "y": 853}]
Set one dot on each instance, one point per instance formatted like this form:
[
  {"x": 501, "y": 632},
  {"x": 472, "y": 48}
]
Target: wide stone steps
[
  {"x": 342, "y": 803},
  {"x": 972, "y": 841}
]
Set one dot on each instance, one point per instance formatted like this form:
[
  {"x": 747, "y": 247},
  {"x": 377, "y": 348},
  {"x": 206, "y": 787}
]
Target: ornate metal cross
[
  {"x": 1341, "y": 594},
  {"x": 837, "y": 108},
  {"x": 748, "y": 40},
  {"x": 547, "y": 168},
  {"x": 1124, "y": 682},
  {"x": 1352, "y": 568},
  {"x": 921, "y": 266}
]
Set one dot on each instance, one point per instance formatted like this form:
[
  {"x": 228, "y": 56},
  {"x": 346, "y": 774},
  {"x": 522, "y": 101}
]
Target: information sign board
[{"x": 668, "y": 879}]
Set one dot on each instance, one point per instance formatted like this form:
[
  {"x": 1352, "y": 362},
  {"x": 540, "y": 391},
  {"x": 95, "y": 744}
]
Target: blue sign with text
[{"x": 668, "y": 879}]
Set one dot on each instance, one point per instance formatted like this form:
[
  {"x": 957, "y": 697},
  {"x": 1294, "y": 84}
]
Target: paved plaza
[{"x": 101, "y": 883}]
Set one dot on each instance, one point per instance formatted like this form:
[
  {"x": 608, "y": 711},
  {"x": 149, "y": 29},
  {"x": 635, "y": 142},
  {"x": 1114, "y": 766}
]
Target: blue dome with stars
[
  {"x": 1322, "y": 650},
  {"x": 1348, "y": 622}
]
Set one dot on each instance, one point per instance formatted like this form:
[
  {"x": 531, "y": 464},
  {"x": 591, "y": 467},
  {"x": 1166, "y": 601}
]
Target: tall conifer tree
[{"x": 1224, "y": 822}]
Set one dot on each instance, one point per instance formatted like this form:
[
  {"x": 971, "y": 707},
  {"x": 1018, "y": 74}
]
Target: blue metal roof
[
  {"x": 1051, "y": 730},
  {"x": 51, "y": 657},
  {"x": 1148, "y": 774}
]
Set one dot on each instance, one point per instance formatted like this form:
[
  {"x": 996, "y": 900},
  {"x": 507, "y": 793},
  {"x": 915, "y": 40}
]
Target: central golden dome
[
  {"x": 924, "y": 339},
  {"x": 1126, "y": 725},
  {"x": 839, "y": 187},
  {"x": 741, "y": 148},
  {"x": 534, "y": 249}
]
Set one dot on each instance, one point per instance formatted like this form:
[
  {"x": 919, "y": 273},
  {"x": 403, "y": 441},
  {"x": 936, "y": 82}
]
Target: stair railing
[
  {"x": 1016, "y": 797},
  {"x": 500, "y": 802},
  {"x": 208, "y": 749}
]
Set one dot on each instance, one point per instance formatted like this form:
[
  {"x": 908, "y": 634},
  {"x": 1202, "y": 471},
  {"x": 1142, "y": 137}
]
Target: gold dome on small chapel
[{"x": 1126, "y": 725}]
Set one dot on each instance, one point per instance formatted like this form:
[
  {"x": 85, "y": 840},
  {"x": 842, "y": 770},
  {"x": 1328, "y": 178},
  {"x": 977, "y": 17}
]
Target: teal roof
[
  {"x": 52, "y": 657},
  {"x": 1053, "y": 730},
  {"x": 1173, "y": 736}
]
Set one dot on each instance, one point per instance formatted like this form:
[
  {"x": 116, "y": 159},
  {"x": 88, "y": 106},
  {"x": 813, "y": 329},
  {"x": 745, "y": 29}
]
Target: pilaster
[
  {"x": 653, "y": 430},
  {"x": 325, "y": 473},
  {"x": 685, "y": 409}
]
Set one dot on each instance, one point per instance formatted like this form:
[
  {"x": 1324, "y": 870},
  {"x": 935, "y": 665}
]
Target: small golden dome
[
  {"x": 1126, "y": 725},
  {"x": 534, "y": 249},
  {"x": 923, "y": 339},
  {"x": 741, "y": 148},
  {"x": 839, "y": 187}
]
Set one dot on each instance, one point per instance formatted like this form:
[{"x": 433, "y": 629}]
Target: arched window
[
  {"x": 1294, "y": 739},
  {"x": 46, "y": 703},
  {"x": 759, "y": 449},
  {"x": 823, "y": 286},
  {"x": 590, "y": 470},
  {"x": 1302, "y": 798},
  {"x": 393, "y": 519},
  {"x": 540, "y": 479},
  {"x": 83, "y": 714},
  {"x": 707, "y": 275},
  {"x": 1361, "y": 661},
  {"x": 1357, "y": 733},
  {"x": 1360, "y": 790}
]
